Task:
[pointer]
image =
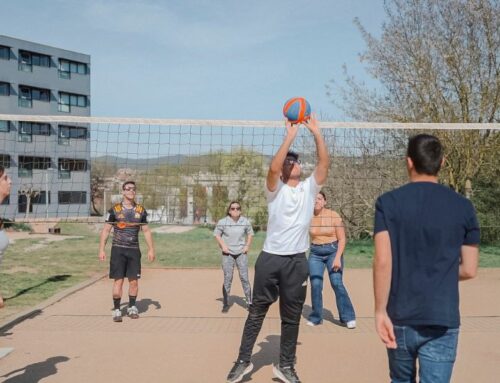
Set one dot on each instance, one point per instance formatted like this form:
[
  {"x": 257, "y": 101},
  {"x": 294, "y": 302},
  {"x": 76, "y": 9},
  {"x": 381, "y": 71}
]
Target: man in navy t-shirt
[{"x": 426, "y": 241}]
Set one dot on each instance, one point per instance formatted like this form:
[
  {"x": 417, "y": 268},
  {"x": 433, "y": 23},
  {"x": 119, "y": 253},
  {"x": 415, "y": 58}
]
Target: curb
[{"x": 19, "y": 317}]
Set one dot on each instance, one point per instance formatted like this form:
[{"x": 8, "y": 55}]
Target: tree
[
  {"x": 100, "y": 171},
  {"x": 436, "y": 61},
  {"x": 246, "y": 170},
  {"x": 29, "y": 192},
  {"x": 200, "y": 202},
  {"x": 219, "y": 201}
]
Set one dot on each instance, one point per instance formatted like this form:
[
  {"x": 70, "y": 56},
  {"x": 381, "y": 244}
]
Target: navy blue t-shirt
[{"x": 427, "y": 223}]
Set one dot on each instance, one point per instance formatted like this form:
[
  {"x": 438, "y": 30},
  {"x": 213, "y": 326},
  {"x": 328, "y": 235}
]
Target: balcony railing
[
  {"x": 25, "y": 103},
  {"x": 25, "y": 67},
  {"x": 64, "y": 74},
  {"x": 24, "y": 173},
  {"x": 64, "y": 174}
]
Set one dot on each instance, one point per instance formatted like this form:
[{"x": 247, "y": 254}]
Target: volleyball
[{"x": 297, "y": 110}]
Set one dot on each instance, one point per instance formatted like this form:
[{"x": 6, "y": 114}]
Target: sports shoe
[
  {"x": 286, "y": 374},
  {"x": 133, "y": 312},
  {"x": 117, "y": 315},
  {"x": 312, "y": 324},
  {"x": 351, "y": 324},
  {"x": 225, "y": 309},
  {"x": 239, "y": 370}
]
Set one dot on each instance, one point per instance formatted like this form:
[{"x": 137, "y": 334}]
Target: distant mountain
[
  {"x": 202, "y": 161},
  {"x": 141, "y": 163}
]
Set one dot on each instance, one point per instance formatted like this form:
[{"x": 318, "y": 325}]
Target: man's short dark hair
[
  {"x": 293, "y": 155},
  {"x": 128, "y": 183},
  {"x": 426, "y": 152}
]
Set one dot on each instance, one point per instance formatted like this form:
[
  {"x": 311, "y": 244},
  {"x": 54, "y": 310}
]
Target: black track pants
[{"x": 277, "y": 276}]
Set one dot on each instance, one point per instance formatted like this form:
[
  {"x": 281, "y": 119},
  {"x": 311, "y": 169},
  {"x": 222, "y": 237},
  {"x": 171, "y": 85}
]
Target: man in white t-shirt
[{"x": 281, "y": 271}]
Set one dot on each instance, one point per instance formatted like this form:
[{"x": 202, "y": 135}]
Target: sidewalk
[{"x": 182, "y": 337}]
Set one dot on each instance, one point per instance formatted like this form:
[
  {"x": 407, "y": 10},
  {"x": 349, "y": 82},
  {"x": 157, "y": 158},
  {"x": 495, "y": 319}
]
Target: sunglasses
[
  {"x": 292, "y": 161},
  {"x": 235, "y": 208},
  {"x": 130, "y": 189}
]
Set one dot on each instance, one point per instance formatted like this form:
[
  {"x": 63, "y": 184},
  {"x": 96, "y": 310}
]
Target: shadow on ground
[
  {"x": 32, "y": 314},
  {"x": 35, "y": 372},
  {"x": 53, "y": 279},
  {"x": 143, "y": 305},
  {"x": 327, "y": 316},
  {"x": 234, "y": 300},
  {"x": 267, "y": 355}
]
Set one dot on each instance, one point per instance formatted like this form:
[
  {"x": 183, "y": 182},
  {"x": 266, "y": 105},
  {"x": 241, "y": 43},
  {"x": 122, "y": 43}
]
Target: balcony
[{"x": 24, "y": 173}]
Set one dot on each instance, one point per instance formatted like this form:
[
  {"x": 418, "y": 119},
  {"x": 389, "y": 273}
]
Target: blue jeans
[
  {"x": 319, "y": 258},
  {"x": 435, "y": 347}
]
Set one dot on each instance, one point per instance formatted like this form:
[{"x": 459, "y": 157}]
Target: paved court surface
[{"x": 182, "y": 337}]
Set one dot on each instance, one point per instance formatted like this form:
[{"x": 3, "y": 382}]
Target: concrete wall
[{"x": 44, "y": 146}]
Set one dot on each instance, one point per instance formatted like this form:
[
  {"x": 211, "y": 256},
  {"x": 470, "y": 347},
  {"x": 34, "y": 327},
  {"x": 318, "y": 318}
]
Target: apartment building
[{"x": 49, "y": 163}]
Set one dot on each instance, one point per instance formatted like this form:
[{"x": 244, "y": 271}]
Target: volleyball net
[{"x": 71, "y": 169}]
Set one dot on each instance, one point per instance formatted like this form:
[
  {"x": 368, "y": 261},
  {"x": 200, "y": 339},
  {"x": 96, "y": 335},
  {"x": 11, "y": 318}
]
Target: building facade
[{"x": 49, "y": 163}]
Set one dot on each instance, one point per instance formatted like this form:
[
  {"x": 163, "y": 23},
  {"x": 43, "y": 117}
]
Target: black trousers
[{"x": 277, "y": 276}]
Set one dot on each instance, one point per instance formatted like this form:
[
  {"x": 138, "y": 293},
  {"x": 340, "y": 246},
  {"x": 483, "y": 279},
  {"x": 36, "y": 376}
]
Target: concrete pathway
[{"x": 181, "y": 336}]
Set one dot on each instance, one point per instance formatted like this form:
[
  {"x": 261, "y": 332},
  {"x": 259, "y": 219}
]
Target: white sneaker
[
  {"x": 133, "y": 312},
  {"x": 312, "y": 324},
  {"x": 117, "y": 315},
  {"x": 351, "y": 324}
]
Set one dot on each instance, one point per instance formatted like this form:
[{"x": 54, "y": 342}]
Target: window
[
  {"x": 40, "y": 129},
  {"x": 40, "y": 94},
  {"x": 67, "y": 100},
  {"x": 27, "y": 164},
  {"x": 32, "y": 128},
  {"x": 66, "y": 132},
  {"x": 28, "y": 59},
  {"x": 5, "y": 160},
  {"x": 4, "y": 89},
  {"x": 68, "y": 165},
  {"x": 4, "y": 52},
  {"x": 72, "y": 165},
  {"x": 75, "y": 197},
  {"x": 39, "y": 199},
  {"x": 66, "y": 67},
  {"x": 4, "y": 126},
  {"x": 28, "y": 94}
]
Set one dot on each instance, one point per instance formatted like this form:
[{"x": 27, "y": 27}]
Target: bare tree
[
  {"x": 30, "y": 192},
  {"x": 436, "y": 61}
]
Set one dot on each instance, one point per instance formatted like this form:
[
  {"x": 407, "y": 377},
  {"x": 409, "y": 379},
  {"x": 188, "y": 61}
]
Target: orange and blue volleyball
[{"x": 297, "y": 110}]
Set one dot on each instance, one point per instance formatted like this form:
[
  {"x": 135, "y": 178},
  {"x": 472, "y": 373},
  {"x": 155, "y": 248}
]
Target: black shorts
[{"x": 125, "y": 262}]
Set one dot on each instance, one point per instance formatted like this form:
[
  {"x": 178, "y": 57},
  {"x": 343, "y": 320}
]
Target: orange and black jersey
[{"x": 126, "y": 224}]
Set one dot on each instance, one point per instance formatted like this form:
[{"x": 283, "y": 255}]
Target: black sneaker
[
  {"x": 225, "y": 309},
  {"x": 285, "y": 374},
  {"x": 239, "y": 370}
]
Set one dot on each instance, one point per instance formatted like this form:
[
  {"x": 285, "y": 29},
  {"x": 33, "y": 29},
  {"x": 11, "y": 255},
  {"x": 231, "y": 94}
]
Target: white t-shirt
[{"x": 290, "y": 211}]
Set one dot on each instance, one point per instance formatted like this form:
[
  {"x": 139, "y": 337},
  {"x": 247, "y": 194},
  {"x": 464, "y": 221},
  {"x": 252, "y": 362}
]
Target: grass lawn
[{"x": 34, "y": 270}]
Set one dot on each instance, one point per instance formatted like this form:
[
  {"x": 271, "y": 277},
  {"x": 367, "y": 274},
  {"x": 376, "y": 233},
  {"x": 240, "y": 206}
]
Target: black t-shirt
[
  {"x": 427, "y": 223},
  {"x": 126, "y": 224}
]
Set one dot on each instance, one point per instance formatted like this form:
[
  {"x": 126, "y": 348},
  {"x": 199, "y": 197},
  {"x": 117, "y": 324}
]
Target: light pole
[{"x": 47, "y": 192}]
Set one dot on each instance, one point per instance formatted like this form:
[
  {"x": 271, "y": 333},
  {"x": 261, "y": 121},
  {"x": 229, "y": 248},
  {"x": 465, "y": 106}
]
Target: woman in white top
[{"x": 5, "y": 183}]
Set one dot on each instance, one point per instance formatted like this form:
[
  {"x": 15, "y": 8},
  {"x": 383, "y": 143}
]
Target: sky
[{"x": 204, "y": 59}]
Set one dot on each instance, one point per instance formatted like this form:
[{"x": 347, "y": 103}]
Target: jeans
[
  {"x": 283, "y": 277},
  {"x": 435, "y": 347},
  {"x": 228, "y": 263},
  {"x": 319, "y": 258}
]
